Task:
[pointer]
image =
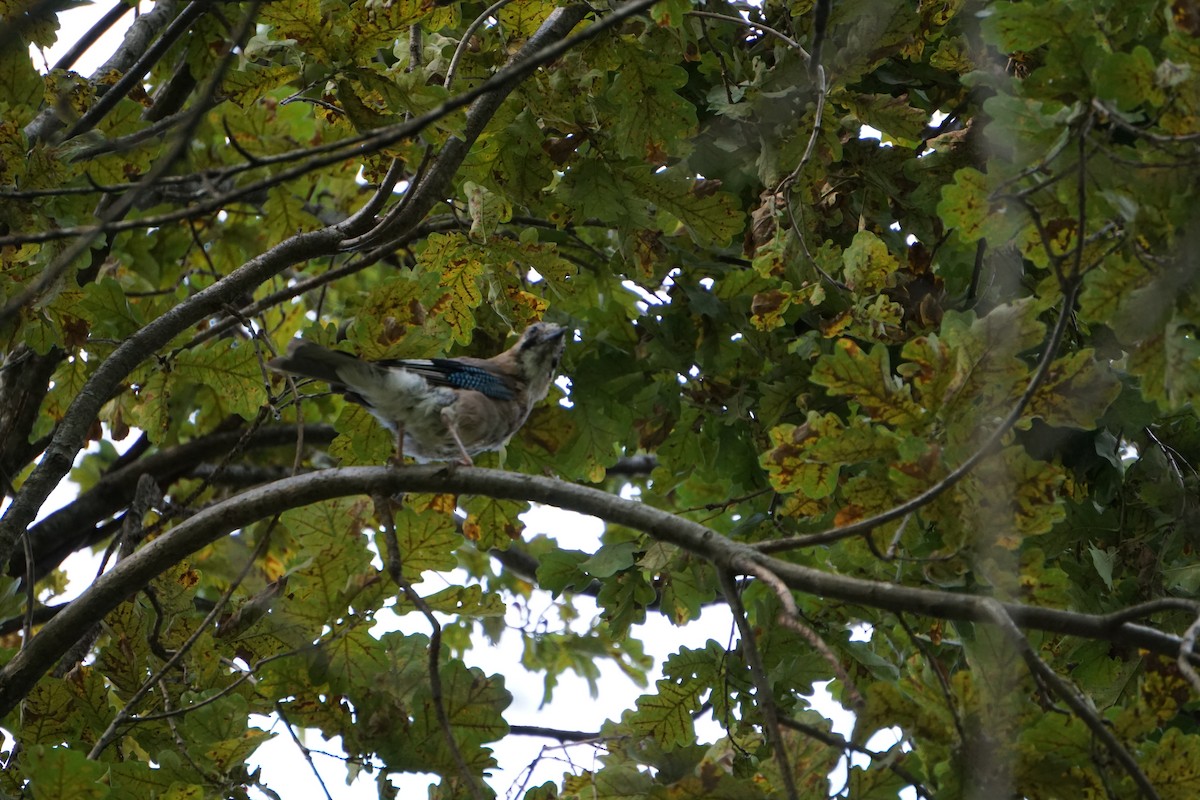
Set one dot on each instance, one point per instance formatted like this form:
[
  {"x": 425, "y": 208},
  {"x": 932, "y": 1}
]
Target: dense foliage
[{"x": 938, "y": 386}]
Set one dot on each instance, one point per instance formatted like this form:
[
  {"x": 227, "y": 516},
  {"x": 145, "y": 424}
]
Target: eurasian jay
[{"x": 441, "y": 408}]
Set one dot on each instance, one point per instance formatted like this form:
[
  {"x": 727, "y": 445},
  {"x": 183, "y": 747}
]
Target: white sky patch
[
  {"x": 73, "y": 23},
  {"x": 867, "y": 132}
]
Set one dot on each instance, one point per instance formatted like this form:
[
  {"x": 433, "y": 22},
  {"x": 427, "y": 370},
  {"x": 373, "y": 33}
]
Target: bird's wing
[{"x": 456, "y": 374}]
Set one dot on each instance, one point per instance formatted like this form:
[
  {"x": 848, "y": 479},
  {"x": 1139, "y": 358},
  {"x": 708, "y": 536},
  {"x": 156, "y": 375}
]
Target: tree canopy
[{"x": 937, "y": 386}]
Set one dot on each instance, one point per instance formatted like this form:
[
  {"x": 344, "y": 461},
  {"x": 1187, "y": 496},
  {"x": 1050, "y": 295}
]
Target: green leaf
[
  {"x": 22, "y": 85},
  {"x": 1077, "y": 391},
  {"x": 611, "y": 559},
  {"x": 560, "y": 570},
  {"x": 1129, "y": 80},
  {"x": 966, "y": 204},
  {"x": 56, "y": 773},
  {"x": 867, "y": 379},
  {"x": 787, "y": 463},
  {"x": 667, "y": 714},
  {"x": 868, "y": 264},
  {"x": 107, "y": 311},
  {"x": 1103, "y": 560},
  {"x": 890, "y": 114},
  {"x": 658, "y": 120},
  {"x": 230, "y": 370},
  {"x": 427, "y": 541},
  {"x": 493, "y": 523}
]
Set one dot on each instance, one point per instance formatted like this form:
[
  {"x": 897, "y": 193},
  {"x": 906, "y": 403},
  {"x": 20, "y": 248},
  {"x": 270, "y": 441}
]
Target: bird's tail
[{"x": 313, "y": 361}]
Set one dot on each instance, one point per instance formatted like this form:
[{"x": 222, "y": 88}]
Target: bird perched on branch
[{"x": 441, "y": 408}]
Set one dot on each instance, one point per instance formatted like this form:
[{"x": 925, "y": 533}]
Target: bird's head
[{"x": 537, "y": 354}]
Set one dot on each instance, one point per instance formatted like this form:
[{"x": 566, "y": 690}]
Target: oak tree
[{"x": 886, "y": 335}]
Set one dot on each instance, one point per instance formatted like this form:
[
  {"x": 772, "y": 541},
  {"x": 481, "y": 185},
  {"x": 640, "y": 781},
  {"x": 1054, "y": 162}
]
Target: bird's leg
[
  {"x": 466, "y": 459},
  {"x": 397, "y": 459}
]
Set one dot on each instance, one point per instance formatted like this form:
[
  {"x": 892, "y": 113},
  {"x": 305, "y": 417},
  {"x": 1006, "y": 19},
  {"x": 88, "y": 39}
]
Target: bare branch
[
  {"x": 790, "y": 619},
  {"x": 73, "y": 526},
  {"x": 211, "y": 523},
  {"x": 1187, "y": 650},
  {"x": 394, "y": 568},
  {"x": 1071, "y": 696},
  {"x": 125, "y": 714},
  {"x": 72, "y": 431},
  {"x": 762, "y": 683}
]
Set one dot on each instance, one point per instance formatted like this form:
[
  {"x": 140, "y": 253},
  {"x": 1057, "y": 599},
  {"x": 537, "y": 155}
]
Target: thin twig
[
  {"x": 1118, "y": 618},
  {"x": 943, "y": 681},
  {"x": 1186, "y": 648},
  {"x": 786, "y": 185},
  {"x": 1071, "y": 696},
  {"x": 125, "y": 714},
  {"x": 304, "y": 751},
  {"x": 755, "y": 26},
  {"x": 1158, "y": 138},
  {"x": 766, "y": 697},
  {"x": 836, "y": 741},
  {"x": 395, "y": 570},
  {"x": 463, "y": 43},
  {"x": 790, "y": 619},
  {"x": 556, "y": 733},
  {"x": 225, "y": 691}
]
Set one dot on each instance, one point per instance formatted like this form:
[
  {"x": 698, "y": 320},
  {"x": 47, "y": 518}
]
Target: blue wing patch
[{"x": 448, "y": 372}]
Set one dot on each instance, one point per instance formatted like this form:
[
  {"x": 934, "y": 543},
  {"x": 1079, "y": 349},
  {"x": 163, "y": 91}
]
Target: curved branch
[
  {"x": 138, "y": 37},
  {"x": 211, "y": 523},
  {"x": 755, "y": 26},
  {"x": 85, "y": 42},
  {"x": 556, "y": 27},
  {"x": 133, "y": 76},
  {"x": 72, "y": 432},
  {"x": 1073, "y": 698},
  {"x": 767, "y": 706},
  {"x": 73, "y": 526},
  {"x": 465, "y": 41}
]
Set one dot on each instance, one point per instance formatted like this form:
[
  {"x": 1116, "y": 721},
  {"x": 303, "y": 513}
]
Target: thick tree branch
[
  {"x": 502, "y": 82},
  {"x": 85, "y": 42},
  {"x": 24, "y": 383},
  {"x": 71, "y": 434},
  {"x": 133, "y": 76},
  {"x": 138, "y": 37},
  {"x": 72, "y": 431},
  {"x": 73, "y": 526},
  {"x": 210, "y": 524}
]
